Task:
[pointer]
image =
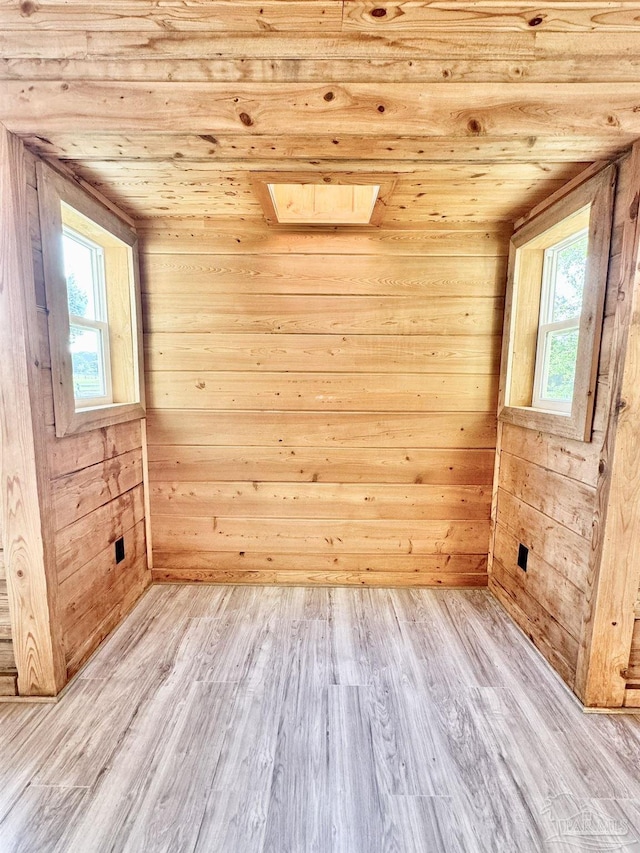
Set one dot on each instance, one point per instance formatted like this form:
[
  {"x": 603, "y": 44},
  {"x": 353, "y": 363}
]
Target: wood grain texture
[
  {"x": 327, "y": 353},
  {"x": 553, "y": 497},
  {"x": 319, "y": 500},
  {"x": 30, "y": 573},
  {"x": 189, "y": 533},
  {"x": 226, "y": 149},
  {"x": 246, "y": 719},
  {"x": 527, "y": 109},
  {"x": 88, "y": 483},
  {"x": 613, "y": 582},
  {"x": 380, "y": 392},
  {"x": 320, "y": 464},
  {"x": 223, "y": 236},
  {"x": 314, "y": 429}
]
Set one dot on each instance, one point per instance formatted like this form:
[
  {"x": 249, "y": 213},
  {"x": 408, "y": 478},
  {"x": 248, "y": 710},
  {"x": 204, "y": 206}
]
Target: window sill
[
  {"x": 575, "y": 425},
  {"x": 84, "y": 420}
]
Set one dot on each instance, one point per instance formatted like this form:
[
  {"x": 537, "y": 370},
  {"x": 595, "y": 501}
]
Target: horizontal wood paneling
[
  {"x": 326, "y": 148},
  {"x": 312, "y": 536},
  {"x": 526, "y": 109},
  {"x": 88, "y": 595},
  {"x": 327, "y": 353},
  {"x": 567, "y": 501},
  {"x": 224, "y": 236},
  {"x": 364, "y": 15},
  {"x": 76, "y": 452},
  {"x": 422, "y": 193},
  {"x": 541, "y": 581},
  {"x": 200, "y": 563},
  {"x": 320, "y": 402},
  {"x": 78, "y": 494},
  {"x": 569, "y": 67},
  {"x": 306, "y": 429},
  {"x": 248, "y": 15},
  {"x": 577, "y": 460},
  {"x": 556, "y": 544},
  {"x": 180, "y": 463},
  {"x": 312, "y": 274},
  {"x": 91, "y": 534},
  {"x": 310, "y": 314},
  {"x": 320, "y": 500},
  {"x": 378, "y": 392},
  {"x": 331, "y": 16}
]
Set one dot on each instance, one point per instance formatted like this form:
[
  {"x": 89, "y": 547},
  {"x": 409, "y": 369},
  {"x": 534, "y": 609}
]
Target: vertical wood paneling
[{"x": 318, "y": 405}]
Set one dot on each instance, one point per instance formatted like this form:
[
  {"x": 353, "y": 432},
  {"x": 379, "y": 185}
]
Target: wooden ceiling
[{"x": 483, "y": 108}]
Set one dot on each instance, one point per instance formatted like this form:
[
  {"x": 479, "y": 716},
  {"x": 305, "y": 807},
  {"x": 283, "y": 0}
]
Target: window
[
  {"x": 84, "y": 271},
  {"x": 93, "y": 302},
  {"x": 553, "y": 317},
  {"x": 564, "y": 269}
]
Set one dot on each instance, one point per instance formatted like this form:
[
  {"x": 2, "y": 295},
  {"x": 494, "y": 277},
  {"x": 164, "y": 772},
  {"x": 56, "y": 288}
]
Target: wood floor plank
[
  {"x": 298, "y": 817},
  {"x": 360, "y": 821},
  {"x": 249, "y": 719},
  {"x": 111, "y": 811},
  {"x": 169, "y": 816},
  {"x": 39, "y": 819}
]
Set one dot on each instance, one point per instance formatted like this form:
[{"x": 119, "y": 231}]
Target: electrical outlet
[
  {"x": 120, "y": 549},
  {"x": 523, "y": 554}
]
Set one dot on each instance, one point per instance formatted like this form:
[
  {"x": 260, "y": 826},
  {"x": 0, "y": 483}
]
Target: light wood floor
[{"x": 351, "y": 720}]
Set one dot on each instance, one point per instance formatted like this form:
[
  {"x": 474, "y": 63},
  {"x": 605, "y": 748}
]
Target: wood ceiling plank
[
  {"x": 514, "y": 46},
  {"x": 564, "y": 69},
  {"x": 459, "y": 109},
  {"x": 27, "y": 44},
  {"x": 441, "y": 209},
  {"x": 369, "y": 15},
  {"x": 258, "y": 16},
  {"x": 595, "y": 46},
  {"x": 414, "y": 175},
  {"x": 226, "y": 149}
]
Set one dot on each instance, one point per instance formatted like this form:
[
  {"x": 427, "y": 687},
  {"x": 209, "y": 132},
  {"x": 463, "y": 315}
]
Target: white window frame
[
  {"x": 100, "y": 325},
  {"x": 547, "y": 326}
]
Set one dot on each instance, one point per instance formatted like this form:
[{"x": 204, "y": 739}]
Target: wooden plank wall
[
  {"x": 321, "y": 405},
  {"x": 96, "y": 496},
  {"x": 548, "y": 500},
  {"x": 7, "y": 661}
]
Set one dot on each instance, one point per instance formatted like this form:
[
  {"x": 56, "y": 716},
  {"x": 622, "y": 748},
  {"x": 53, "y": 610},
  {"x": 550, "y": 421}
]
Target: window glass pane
[
  {"x": 82, "y": 267},
  {"x": 88, "y": 363},
  {"x": 561, "y": 352},
  {"x": 570, "y": 266}
]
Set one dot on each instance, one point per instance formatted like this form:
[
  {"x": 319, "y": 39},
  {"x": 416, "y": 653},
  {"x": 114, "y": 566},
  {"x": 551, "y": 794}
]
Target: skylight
[
  {"x": 323, "y": 204},
  {"x": 326, "y": 199}
]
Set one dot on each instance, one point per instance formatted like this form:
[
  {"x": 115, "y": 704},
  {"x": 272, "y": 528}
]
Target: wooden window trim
[
  {"x": 598, "y": 192},
  {"x": 54, "y": 188}
]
